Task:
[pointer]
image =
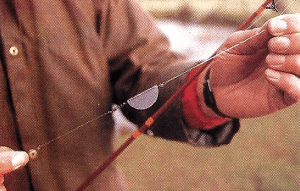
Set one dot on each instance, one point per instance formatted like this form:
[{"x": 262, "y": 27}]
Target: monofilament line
[
  {"x": 161, "y": 85},
  {"x": 146, "y": 91},
  {"x": 80, "y": 126}
]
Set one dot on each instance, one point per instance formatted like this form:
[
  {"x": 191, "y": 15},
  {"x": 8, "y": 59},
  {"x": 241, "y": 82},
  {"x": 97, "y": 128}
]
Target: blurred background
[{"x": 264, "y": 155}]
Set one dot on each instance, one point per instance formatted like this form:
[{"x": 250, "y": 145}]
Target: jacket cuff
[{"x": 220, "y": 135}]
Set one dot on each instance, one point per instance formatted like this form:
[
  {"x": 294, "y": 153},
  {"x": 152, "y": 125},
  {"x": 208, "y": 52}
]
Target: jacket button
[{"x": 13, "y": 51}]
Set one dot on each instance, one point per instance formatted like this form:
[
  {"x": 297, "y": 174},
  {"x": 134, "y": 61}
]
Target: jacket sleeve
[{"x": 139, "y": 58}]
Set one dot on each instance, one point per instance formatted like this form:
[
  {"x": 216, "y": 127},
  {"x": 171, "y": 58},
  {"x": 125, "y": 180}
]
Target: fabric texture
[{"x": 63, "y": 63}]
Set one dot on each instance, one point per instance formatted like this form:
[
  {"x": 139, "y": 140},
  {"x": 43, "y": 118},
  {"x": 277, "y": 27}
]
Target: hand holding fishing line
[{"x": 260, "y": 76}]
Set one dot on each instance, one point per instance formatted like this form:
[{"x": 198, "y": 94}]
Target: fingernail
[
  {"x": 272, "y": 74},
  {"x": 278, "y": 26},
  {"x": 20, "y": 159}
]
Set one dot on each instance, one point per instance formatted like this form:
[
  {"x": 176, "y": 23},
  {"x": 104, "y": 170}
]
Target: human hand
[
  {"x": 260, "y": 76},
  {"x": 9, "y": 161}
]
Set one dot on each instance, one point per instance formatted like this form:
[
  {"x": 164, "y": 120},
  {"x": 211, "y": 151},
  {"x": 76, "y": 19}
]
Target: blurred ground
[{"x": 264, "y": 155}]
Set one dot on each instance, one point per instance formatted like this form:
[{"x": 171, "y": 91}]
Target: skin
[
  {"x": 260, "y": 76},
  {"x": 256, "y": 78},
  {"x": 10, "y": 161}
]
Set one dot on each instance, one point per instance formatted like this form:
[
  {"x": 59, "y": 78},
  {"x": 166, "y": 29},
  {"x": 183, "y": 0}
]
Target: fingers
[
  {"x": 11, "y": 160},
  {"x": 284, "y": 73},
  {"x": 283, "y": 62},
  {"x": 286, "y": 32},
  {"x": 287, "y": 44},
  {"x": 288, "y": 83}
]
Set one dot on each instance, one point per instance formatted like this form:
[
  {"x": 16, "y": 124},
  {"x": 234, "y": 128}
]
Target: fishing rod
[{"x": 149, "y": 122}]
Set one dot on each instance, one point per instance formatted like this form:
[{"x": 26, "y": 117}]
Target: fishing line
[
  {"x": 138, "y": 101},
  {"x": 75, "y": 129},
  {"x": 147, "y": 124}
]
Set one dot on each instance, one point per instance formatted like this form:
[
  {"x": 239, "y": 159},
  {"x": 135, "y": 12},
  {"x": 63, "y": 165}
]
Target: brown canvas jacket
[{"x": 64, "y": 62}]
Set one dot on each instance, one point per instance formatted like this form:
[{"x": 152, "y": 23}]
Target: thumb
[{"x": 12, "y": 160}]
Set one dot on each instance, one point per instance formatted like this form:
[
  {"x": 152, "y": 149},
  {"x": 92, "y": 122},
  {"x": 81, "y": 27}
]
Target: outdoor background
[{"x": 264, "y": 155}]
